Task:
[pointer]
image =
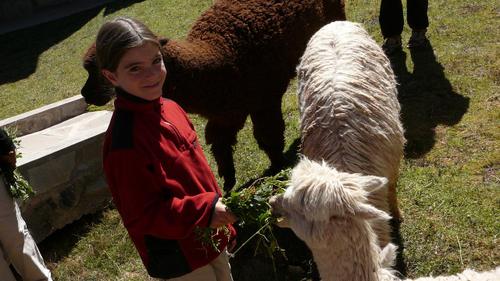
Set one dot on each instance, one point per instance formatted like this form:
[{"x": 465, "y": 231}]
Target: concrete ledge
[
  {"x": 61, "y": 158},
  {"x": 46, "y": 116},
  {"x": 62, "y": 136},
  {"x": 63, "y": 164}
]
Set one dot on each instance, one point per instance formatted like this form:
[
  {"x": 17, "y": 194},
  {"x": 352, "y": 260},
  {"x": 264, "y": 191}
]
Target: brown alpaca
[{"x": 236, "y": 61}]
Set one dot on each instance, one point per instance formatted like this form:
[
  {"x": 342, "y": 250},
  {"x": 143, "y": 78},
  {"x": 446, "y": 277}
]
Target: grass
[{"x": 449, "y": 188}]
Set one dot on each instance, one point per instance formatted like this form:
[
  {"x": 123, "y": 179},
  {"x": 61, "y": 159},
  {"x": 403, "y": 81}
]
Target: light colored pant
[
  {"x": 16, "y": 243},
  {"x": 218, "y": 270}
]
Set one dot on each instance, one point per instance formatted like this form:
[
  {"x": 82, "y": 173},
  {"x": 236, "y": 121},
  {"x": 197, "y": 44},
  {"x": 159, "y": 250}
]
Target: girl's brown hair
[{"x": 116, "y": 37}]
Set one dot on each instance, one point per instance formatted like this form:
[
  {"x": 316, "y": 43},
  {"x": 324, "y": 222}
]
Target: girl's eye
[
  {"x": 157, "y": 61},
  {"x": 134, "y": 69}
]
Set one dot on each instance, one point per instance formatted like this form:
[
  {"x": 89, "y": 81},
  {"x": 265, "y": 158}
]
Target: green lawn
[{"x": 449, "y": 187}]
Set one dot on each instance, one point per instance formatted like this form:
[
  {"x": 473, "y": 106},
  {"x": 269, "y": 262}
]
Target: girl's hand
[{"x": 221, "y": 215}]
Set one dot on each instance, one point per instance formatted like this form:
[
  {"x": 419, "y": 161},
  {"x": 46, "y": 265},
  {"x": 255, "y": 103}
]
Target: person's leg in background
[
  {"x": 418, "y": 21},
  {"x": 391, "y": 24}
]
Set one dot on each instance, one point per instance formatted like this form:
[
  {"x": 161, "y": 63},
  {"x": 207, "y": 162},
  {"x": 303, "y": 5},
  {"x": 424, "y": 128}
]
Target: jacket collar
[{"x": 128, "y": 101}]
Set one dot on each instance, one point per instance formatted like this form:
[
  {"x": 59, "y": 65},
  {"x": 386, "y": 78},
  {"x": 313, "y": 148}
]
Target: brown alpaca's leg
[
  {"x": 268, "y": 130},
  {"x": 335, "y": 9},
  {"x": 339, "y": 10},
  {"x": 221, "y": 133}
]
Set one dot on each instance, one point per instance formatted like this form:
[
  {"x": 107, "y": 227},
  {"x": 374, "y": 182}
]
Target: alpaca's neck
[
  {"x": 195, "y": 69},
  {"x": 195, "y": 55},
  {"x": 351, "y": 255}
]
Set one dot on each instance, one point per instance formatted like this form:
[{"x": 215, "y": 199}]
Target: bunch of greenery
[
  {"x": 17, "y": 186},
  {"x": 251, "y": 207}
]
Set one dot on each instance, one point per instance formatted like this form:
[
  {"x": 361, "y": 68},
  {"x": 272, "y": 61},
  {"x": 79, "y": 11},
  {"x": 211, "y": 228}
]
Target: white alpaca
[
  {"x": 466, "y": 275},
  {"x": 350, "y": 112},
  {"x": 328, "y": 209}
]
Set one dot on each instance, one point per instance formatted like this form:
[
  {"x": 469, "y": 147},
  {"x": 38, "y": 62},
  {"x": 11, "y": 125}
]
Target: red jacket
[{"x": 161, "y": 184}]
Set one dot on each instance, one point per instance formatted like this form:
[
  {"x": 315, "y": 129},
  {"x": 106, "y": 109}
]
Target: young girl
[{"x": 159, "y": 178}]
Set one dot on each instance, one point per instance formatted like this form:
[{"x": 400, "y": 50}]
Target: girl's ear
[{"x": 110, "y": 76}]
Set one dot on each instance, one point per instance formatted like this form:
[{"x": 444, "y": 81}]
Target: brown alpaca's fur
[{"x": 236, "y": 61}]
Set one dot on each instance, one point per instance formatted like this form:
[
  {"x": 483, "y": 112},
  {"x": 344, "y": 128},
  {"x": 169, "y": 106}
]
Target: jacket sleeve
[{"x": 145, "y": 208}]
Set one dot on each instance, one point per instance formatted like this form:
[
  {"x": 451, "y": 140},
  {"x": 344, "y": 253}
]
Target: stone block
[
  {"x": 46, "y": 116},
  {"x": 63, "y": 164},
  {"x": 50, "y": 172}
]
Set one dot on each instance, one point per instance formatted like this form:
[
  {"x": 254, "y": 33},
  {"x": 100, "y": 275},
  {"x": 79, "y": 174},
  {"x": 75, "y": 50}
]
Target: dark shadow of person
[
  {"x": 427, "y": 100},
  {"x": 118, "y": 5},
  {"x": 21, "y": 48}
]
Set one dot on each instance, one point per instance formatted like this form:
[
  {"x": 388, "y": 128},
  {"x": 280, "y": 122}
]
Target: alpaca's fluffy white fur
[
  {"x": 350, "y": 112},
  {"x": 466, "y": 275}
]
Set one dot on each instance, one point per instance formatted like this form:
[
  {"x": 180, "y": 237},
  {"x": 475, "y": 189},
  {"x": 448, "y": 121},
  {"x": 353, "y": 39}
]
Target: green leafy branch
[
  {"x": 18, "y": 186},
  {"x": 251, "y": 207}
]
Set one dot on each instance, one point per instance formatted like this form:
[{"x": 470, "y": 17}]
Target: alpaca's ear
[
  {"x": 97, "y": 90},
  {"x": 369, "y": 212},
  {"x": 163, "y": 41},
  {"x": 372, "y": 183},
  {"x": 89, "y": 59}
]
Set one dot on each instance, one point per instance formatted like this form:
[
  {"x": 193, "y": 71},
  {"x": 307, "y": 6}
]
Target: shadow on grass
[
  {"x": 60, "y": 243},
  {"x": 427, "y": 99},
  {"x": 115, "y": 6},
  {"x": 22, "y": 48},
  {"x": 397, "y": 239},
  {"x": 295, "y": 264}
]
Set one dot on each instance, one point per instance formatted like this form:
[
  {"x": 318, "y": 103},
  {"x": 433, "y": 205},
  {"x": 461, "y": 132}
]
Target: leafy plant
[
  {"x": 18, "y": 187},
  {"x": 251, "y": 207}
]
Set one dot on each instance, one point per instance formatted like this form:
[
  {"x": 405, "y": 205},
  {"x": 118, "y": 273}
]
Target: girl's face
[{"x": 141, "y": 72}]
